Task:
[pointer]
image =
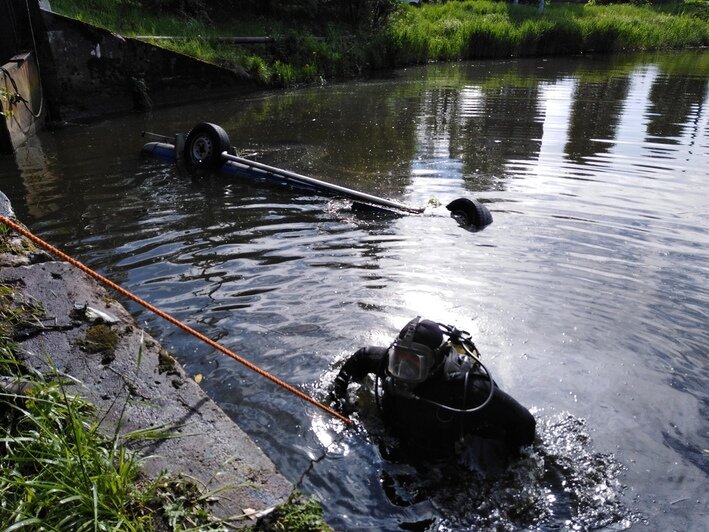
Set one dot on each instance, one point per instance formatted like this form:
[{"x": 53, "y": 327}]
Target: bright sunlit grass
[
  {"x": 482, "y": 28},
  {"x": 305, "y": 52}
]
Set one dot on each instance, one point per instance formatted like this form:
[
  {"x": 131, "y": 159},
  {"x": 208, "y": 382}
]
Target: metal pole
[
  {"x": 343, "y": 191},
  {"x": 235, "y": 40}
]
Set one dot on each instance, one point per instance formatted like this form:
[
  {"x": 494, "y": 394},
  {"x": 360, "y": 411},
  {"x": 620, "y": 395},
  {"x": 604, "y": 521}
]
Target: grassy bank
[
  {"x": 57, "y": 470},
  {"x": 303, "y": 52},
  {"x": 483, "y": 28},
  {"x": 308, "y": 51},
  {"x": 61, "y": 470}
]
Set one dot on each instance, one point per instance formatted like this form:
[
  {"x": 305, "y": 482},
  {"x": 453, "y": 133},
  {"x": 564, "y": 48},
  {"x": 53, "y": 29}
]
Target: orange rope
[{"x": 170, "y": 318}]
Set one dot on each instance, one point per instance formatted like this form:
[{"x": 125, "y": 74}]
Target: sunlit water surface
[{"x": 588, "y": 296}]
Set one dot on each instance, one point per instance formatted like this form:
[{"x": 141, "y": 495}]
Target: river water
[{"x": 588, "y": 296}]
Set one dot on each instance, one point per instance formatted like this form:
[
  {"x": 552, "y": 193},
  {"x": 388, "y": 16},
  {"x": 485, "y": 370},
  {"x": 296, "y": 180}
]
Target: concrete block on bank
[
  {"x": 100, "y": 72},
  {"x": 136, "y": 384}
]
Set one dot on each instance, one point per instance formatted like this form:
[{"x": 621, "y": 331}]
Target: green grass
[
  {"x": 297, "y": 57},
  {"x": 59, "y": 473},
  {"x": 57, "y": 470},
  {"x": 308, "y": 51},
  {"x": 483, "y": 28},
  {"x": 297, "y": 514}
]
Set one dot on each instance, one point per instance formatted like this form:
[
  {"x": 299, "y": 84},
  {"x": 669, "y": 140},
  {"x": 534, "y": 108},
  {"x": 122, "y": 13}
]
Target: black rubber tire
[
  {"x": 471, "y": 211},
  {"x": 204, "y": 146}
]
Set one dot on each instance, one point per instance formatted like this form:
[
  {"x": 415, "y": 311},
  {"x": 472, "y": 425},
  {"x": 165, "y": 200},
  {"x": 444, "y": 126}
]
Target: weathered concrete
[
  {"x": 99, "y": 72},
  {"x": 72, "y": 71},
  {"x": 138, "y": 385}
]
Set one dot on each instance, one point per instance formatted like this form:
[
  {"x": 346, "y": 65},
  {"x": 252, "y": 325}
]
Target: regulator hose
[
  {"x": 465, "y": 383},
  {"x": 463, "y": 338}
]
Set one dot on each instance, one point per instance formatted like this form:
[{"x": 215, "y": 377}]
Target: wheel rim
[{"x": 202, "y": 148}]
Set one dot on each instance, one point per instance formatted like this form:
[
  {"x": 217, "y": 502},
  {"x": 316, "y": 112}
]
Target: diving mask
[{"x": 410, "y": 362}]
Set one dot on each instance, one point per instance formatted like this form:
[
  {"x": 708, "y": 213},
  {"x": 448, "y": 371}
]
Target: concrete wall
[
  {"x": 82, "y": 71},
  {"x": 99, "y": 72}
]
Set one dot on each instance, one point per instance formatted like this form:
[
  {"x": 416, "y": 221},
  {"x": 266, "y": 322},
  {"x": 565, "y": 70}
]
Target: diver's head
[{"x": 416, "y": 351}]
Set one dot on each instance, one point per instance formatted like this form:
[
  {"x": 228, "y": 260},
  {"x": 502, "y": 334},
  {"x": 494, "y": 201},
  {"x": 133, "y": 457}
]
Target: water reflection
[
  {"x": 587, "y": 295},
  {"x": 677, "y": 104},
  {"x": 595, "y": 114}
]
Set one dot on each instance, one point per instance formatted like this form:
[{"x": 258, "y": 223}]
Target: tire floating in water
[{"x": 470, "y": 212}]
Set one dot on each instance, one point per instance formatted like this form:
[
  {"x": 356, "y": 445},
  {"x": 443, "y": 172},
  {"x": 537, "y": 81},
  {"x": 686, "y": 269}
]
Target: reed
[{"x": 485, "y": 29}]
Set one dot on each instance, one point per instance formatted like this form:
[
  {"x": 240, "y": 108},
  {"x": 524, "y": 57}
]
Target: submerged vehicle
[{"x": 207, "y": 148}]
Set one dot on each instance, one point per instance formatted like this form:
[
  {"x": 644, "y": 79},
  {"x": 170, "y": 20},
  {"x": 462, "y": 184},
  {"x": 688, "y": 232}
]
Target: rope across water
[{"x": 63, "y": 256}]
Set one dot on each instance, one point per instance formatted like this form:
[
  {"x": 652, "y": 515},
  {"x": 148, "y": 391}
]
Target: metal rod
[
  {"x": 343, "y": 191},
  {"x": 157, "y": 136},
  {"x": 235, "y": 40}
]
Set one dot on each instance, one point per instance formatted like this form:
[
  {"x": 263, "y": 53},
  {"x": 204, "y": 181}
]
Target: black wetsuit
[{"x": 416, "y": 420}]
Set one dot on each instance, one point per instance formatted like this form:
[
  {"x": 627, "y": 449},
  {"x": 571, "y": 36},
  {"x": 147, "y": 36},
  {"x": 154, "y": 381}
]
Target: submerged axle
[{"x": 207, "y": 148}]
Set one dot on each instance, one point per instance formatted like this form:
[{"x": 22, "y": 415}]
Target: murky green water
[{"x": 588, "y": 296}]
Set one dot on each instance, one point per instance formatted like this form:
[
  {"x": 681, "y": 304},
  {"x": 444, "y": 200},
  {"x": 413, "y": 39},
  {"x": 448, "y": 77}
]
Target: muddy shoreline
[{"x": 135, "y": 383}]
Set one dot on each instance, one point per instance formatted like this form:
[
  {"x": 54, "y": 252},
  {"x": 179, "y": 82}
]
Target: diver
[{"x": 434, "y": 392}]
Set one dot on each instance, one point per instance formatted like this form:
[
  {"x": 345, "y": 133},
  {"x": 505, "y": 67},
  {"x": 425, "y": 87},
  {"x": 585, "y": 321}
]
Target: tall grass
[
  {"x": 57, "y": 470},
  {"x": 483, "y": 28},
  {"x": 307, "y": 52},
  {"x": 59, "y": 473}
]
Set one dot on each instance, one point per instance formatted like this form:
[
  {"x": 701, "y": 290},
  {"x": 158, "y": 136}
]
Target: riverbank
[
  {"x": 322, "y": 50},
  {"x": 102, "y": 425}
]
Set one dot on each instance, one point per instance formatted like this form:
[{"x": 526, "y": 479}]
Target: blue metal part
[{"x": 245, "y": 168}]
